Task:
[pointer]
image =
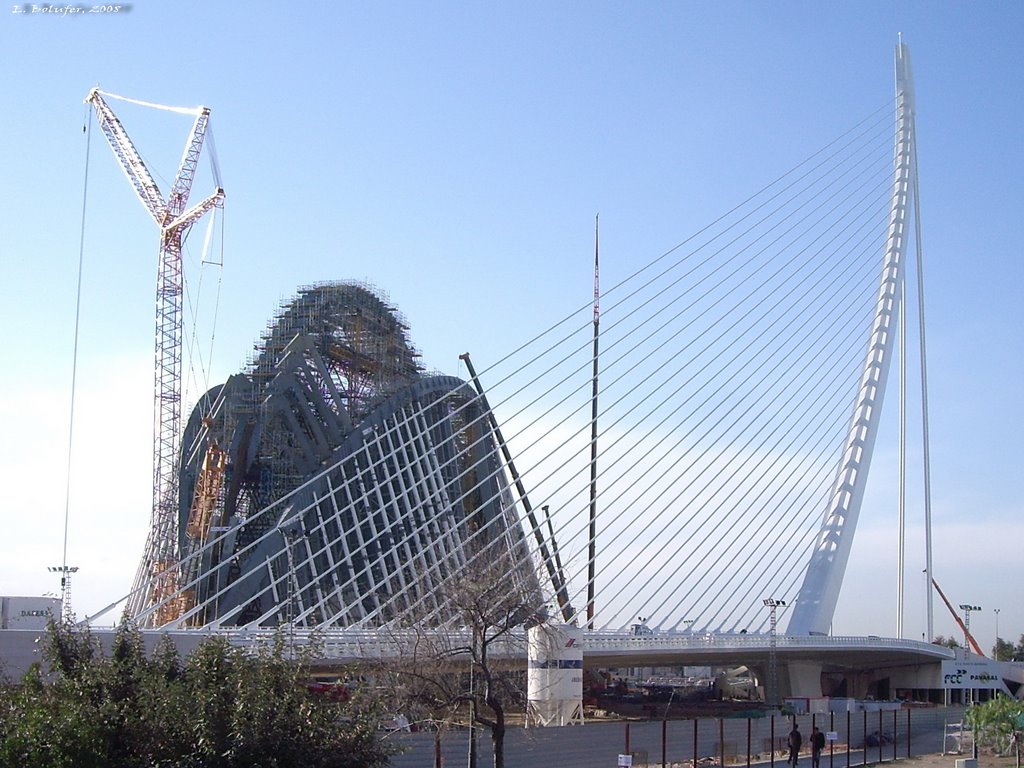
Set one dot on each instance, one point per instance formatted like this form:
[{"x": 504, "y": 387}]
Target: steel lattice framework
[
  {"x": 174, "y": 220},
  {"x": 334, "y": 483}
]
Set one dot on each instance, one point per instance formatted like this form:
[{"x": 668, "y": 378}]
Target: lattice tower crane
[{"x": 157, "y": 575}]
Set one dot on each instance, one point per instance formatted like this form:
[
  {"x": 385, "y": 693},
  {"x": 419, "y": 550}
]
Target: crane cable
[
  {"x": 205, "y": 367},
  {"x": 87, "y": 130},
  {"x": 180, "y": 110},
  {"x": 211, "y": 153}
]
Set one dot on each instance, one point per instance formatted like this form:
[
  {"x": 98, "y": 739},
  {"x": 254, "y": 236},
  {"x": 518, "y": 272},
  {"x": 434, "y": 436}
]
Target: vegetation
[
  {"x": 221, "y": 707},
  {"x": 998, "y": 724},
  {"x": 1004, "y": 650},
  {"x": 948, "y": 642}
]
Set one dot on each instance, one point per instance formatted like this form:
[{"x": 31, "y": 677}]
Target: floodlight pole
[
  {"x": 65, "y": 571},
  {"x": 967, "y": 608},
  {"x": 772, "y": 694}
]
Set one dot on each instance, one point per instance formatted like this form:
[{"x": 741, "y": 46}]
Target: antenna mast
[
  {"x": 157, "y": 574},
  {"x": 592, "y": 550}
]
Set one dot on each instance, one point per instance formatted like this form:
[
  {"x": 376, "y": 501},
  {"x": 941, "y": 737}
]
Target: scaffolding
[{"x": 333, "y": 482}]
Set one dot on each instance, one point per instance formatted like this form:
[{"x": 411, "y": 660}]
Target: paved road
[{"x": 599, "y": 744}]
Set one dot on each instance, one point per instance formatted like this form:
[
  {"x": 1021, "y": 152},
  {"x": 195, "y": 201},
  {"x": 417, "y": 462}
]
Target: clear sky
[{"x": 454, "y": 154}]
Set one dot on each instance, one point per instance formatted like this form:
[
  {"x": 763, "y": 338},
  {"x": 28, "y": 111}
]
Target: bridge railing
[
  {"x": 363, "y": 644},
  {"x": 353, "y": 644},
  {"x": 608, "y": 641}
]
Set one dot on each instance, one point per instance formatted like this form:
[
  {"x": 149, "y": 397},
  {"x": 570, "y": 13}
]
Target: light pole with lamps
[
  {"x": 997, "y": 625},
  {"x": 967, "y": 608},
  {"x": 66, "y": 571},
  {"x": 772, "y": 696}
]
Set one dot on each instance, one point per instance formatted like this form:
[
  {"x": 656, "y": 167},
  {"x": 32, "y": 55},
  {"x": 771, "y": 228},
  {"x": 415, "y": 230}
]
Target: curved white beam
[{"x": 816, "y": 602}]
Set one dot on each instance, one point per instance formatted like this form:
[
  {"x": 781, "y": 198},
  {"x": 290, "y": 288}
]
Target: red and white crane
[{"x": 157, "y": 573}]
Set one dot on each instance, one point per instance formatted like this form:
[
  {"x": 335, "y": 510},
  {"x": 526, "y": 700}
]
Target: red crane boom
[{"x": 959, "y": 621}]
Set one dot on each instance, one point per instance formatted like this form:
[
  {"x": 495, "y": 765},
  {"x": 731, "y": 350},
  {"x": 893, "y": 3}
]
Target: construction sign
[{"x": 973, "y": 674}]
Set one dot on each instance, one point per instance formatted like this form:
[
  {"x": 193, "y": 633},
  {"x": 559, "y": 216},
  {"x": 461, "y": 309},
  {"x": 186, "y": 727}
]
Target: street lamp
[
  {"x": 773, "y": 605},
  {"x": 997, "y": 624}
]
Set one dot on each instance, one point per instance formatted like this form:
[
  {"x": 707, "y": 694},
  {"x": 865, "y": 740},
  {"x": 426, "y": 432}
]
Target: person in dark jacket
[
  {"x": 817, "y": 744},
  {"x": 796, "y": 740}
]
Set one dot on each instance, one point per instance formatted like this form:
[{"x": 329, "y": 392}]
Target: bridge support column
[{"x": 804, "y": 679}]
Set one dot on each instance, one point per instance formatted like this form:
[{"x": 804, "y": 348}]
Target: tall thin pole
[
  {"x": 592, "y": 554},
  {"x": 903, "y": 321},
  {"x": 773, "y": 668},
  {"x": 926, "y": 456},
  {"x": 67, "y": 614},
  {"x": 901, "y": 533},
  {"x": 471, "y": 757},
  {"x": 561, "y": 593}
]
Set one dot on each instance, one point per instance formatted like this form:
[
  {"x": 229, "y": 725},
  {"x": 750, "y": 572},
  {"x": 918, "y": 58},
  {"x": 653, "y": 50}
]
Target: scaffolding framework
[{"x": 334, "y": 483}]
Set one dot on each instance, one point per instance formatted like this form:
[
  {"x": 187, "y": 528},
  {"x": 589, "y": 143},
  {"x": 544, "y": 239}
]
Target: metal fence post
[
  {"x": 849, "y": 738},
  {"x": 908, "y": 732},
  {"x": 895, "y": 730},
  {"x": 831, "y": 742},
  {"x": 864, "y": 755},
  {"x": 881, "y": 728},
  {"x": 772, "y": 746}
]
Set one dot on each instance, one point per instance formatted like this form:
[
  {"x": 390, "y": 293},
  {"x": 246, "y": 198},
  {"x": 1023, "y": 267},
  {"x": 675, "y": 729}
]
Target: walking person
[
  {"x": 796, "y": 740},
  {"x": 817, "y": 744}
]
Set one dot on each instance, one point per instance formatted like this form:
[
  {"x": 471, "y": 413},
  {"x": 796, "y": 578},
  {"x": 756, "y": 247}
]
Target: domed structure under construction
[{"x": 334, "y": 483}]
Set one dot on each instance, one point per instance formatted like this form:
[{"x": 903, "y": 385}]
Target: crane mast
[{"x": 157, "y": 574}]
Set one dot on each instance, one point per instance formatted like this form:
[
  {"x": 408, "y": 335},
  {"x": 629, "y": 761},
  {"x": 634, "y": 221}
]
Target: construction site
[
  {"x": 303, "y": 490},
  {"x": 333, "y": 483}
]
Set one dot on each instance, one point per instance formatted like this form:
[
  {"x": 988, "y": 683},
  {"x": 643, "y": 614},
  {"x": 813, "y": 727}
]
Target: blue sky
[{"x": 454, "y": 155}]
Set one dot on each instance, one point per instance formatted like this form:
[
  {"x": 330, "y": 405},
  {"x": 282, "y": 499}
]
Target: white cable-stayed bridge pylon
[
  {"x": 820, "y": 591},
  {"x": 728, "y": 369},
  {"x": 775, "y": 547}
]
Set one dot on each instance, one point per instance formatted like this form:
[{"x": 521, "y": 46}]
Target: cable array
[{"x": 728, "y": 366}]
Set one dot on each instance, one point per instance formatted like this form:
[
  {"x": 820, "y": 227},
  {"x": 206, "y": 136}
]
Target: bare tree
[{"x": 467, "y": 667}]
